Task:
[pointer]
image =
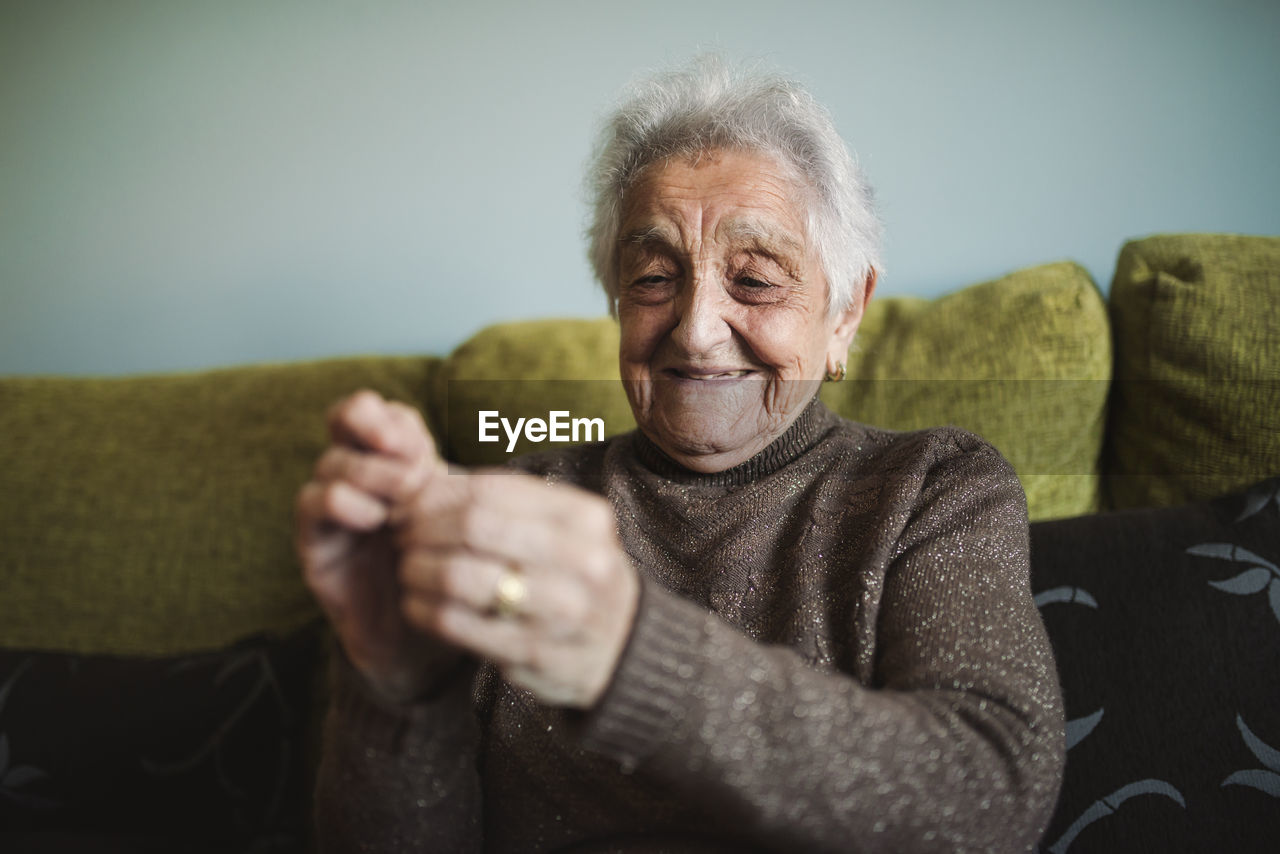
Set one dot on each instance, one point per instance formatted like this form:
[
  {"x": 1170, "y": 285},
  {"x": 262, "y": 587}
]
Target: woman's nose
[{"x": 702, "y": 324}]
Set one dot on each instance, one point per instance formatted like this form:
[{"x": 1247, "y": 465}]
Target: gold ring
[{"x": 509, "y": 595}]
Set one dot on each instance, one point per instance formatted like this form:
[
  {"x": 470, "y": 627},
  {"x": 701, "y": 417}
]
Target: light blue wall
[{"x": 193, "y": 184}]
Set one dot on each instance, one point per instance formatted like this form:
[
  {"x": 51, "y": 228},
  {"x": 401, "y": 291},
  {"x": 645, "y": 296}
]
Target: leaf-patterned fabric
[
  {"x": 199, "y": 752},
  {"x": 1166, "y": 627}
]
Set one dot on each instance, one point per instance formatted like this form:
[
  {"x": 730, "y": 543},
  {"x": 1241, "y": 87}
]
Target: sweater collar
[{"x": 808, "y": 427}]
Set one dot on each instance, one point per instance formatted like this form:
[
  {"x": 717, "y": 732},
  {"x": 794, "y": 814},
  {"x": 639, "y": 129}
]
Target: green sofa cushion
[
  {"x": 153, "y": 515},
  {"x": 1196, "y": 402},
  {"x": 1023, "y": 360}
]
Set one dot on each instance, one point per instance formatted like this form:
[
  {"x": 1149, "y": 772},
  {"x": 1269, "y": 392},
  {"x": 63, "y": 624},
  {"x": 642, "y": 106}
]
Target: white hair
[{"x": 708, "y": 105}]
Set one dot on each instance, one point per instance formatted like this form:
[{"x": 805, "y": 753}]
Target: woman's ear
[{"x": 847, "y": 323}]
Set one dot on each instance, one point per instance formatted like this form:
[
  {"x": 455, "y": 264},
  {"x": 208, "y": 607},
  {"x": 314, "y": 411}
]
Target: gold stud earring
[{"x": 836, "y": 375}]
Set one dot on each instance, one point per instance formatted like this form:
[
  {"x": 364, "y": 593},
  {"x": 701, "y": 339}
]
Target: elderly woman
[{"x": 749, "y": 624}]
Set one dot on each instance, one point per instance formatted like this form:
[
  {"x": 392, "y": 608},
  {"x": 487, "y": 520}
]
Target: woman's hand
[
  {"x": 380, "y": 454},
  {"x": 415, "y": 563},
  {"x": 526, "y": 574}
]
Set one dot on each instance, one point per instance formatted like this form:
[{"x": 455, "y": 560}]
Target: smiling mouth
[{"x": 707, "y": 375}]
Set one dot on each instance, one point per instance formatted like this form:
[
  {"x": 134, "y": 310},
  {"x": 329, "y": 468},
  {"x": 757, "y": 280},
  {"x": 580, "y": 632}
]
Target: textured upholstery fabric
[
  {"x": 1024, "y": 361},
  {"x": 1195, "y": 410},
  {"x": 1166, "y": 626},
  {"x": 153, "y": 515}
]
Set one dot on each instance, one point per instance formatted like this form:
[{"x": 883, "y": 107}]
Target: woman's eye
[
  {"x": 750, "y": 282},
  {"x": 653, "y": 289}
]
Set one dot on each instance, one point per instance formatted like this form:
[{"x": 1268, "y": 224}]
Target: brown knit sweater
[{"x": 836, "y": 649}]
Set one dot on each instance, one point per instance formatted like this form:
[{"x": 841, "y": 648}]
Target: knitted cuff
[{"x": 649, "y": 694}]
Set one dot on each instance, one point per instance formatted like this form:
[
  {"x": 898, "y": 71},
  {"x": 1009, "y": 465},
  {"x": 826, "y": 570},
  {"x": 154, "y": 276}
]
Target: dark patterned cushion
[
  {"x": 1166, "y": 625},
  {"x": 199, "y": 752}
]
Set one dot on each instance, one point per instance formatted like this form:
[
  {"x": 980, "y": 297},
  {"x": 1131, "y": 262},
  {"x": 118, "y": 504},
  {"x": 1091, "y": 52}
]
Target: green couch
[{"x": 160, "y": 659}]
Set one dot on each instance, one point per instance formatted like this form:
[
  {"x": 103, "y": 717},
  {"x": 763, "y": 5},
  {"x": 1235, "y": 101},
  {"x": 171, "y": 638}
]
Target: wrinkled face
[{"x": 723, "y": 307}]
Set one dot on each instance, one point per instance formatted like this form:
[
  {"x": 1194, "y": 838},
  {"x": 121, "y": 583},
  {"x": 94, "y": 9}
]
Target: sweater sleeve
[
  {"x": 398, "y": 777},
  {"x": 957, "y": 745}
]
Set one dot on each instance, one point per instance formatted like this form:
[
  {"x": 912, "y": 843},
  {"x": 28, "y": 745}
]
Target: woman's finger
[
  {"x": 451, "y": 575},
  {"x": 365, "y": 420},
  {"x": 391, "y": 479},
  {"x": 336, "y": 503},
  {"x": 415, "y": 429},
  {"x": 569, "y": 672},
  {"x": 489, "y": 586},
  {"x": 505, "y": 642},
  {"x": 543, "y": 527},
  {"x": 330, "y": 516}
]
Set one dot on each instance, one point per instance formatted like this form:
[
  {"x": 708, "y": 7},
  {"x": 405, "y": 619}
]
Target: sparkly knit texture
[{"x": 835, "y": 649}]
